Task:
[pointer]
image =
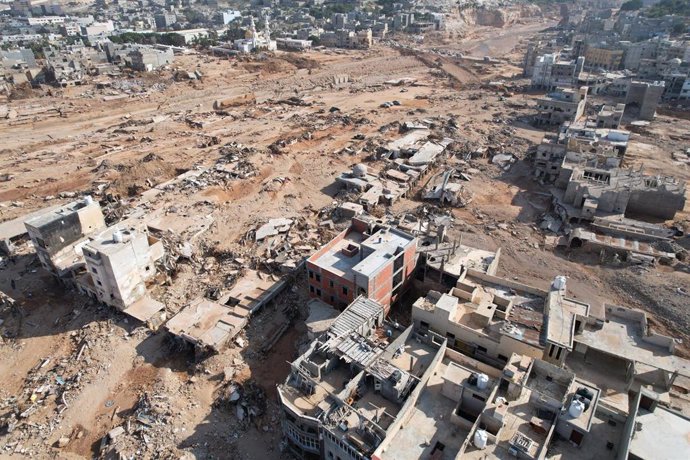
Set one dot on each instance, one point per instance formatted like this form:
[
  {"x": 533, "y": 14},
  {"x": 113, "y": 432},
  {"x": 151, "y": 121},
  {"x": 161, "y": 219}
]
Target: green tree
[
  {"x": 194, "y": 16},
  {"x": 632, "y": 5},
  {"x": 664, "y": 7},
  {"x": 315, "y": 41}
]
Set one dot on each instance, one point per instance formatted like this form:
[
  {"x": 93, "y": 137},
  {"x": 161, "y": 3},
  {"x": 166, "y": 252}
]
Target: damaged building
[
  {"x": 560, "y": 106},
  {"x": 596, "y": 189},
  {"x": 355, "y": 385},
  {"x": 119, "y": 264},
  {"x": 577, "y": 143},
  {"x": 54, "y": 232}
]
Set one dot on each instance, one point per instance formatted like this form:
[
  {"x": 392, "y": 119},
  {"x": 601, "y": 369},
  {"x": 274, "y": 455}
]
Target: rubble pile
[
  {"x": 282, "y": 244},
  {"x": 322, "y": 119},
  {"x": 147, "y": 430},
  {"x": 246, "y": 400},
  {"x": 52, "y": 386}
]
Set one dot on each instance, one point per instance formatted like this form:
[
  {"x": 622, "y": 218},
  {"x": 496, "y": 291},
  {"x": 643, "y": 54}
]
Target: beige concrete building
[
  {"x": 490, "y": 318},
  {"x": 55, "y": 232},
  {"x": 120, "y": 262}
]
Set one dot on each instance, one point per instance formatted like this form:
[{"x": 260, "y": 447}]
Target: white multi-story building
[
  {"x": 44, "y": 20},
  {"x": 685, "y": 91},
  {"x": 120, "y": 261}
]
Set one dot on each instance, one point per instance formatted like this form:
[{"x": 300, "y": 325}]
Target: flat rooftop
[
  {"x": 332, "y": 382},
  {"x": 660, "y": 434},
  {"x": 562, "y": 314},
  {"x": 51, "y": 214},
  {"x": 338, "y": 263},
  {"x": 584, "y": 421},
  {"x": 379, "y": 247},
  {"x": 429, "y": 424},
  {"x": 603, "y": 371},
  {"x": 384, "y": 244},
  {"x": 624, "y": 337},
  {"x": 415, "y": 358},
  {"x": 604, "y": 432},
  {"x": 104, "y": 242},
  {"x": 524, "y": 322},
  {"x": 15, "y": 227},
  {"x": 519, "y": 424}
]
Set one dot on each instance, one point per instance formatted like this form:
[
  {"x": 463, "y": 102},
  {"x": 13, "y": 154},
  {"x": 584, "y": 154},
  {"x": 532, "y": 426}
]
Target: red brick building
[{"x": 367, "y": 259}]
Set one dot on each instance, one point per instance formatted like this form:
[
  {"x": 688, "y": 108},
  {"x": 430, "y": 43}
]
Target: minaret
[
  {"x": 267, "y": 31},
  {"x": 253, "y": 26}
]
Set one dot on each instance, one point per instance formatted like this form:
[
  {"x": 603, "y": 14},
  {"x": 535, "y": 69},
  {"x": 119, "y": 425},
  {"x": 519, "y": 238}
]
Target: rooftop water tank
[
  {"x": 480, "y": 439},
  {"x": 88, "y": 199},
  {"x": 482, "y": 381},
  {"x": 559, "y": 283},
  {"x": 576, "y": 408},
  {"x": 359, "y": 170},
  {"x": 117, "y": 236}
]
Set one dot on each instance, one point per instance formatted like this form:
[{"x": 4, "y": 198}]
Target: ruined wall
[{"x": 656, "y": 203}]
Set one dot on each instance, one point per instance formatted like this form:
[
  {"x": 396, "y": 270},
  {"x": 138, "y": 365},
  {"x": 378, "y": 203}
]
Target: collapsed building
[
  {"x": 575, "y": 143},
  {"x": 594, "y": 189},
  {"x": 374, "y": 189},
  {"x": 409, "y": 158},
  {"x": 584, "y": 164},
  {"x": 562, "y": 105}
]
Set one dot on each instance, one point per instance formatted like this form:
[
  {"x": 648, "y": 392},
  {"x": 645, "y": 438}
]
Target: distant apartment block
[
  {"x": 343, "y": 38},
  {"x": 165, "y": 20},
  {"x": 146, "y": 59}
]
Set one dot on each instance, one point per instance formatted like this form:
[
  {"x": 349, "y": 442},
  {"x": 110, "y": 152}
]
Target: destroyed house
[
  {"x": 577, "y": 144},
  {"x": 560, "y": 106},
  {"x": 210, "y": 324},
  {"x": 593, "y": 189},
  {"x": 14, "y": 233},
  {"x": 375, "y": 190},
  {"x": 54, "y": 231},
  {"x": 368, "y": 258},
  {"x": 355, "y": 385}
]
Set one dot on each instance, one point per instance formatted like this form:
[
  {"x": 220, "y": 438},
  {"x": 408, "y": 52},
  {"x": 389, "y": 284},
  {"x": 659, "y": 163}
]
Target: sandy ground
[{"x": 107, "y": 142}]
